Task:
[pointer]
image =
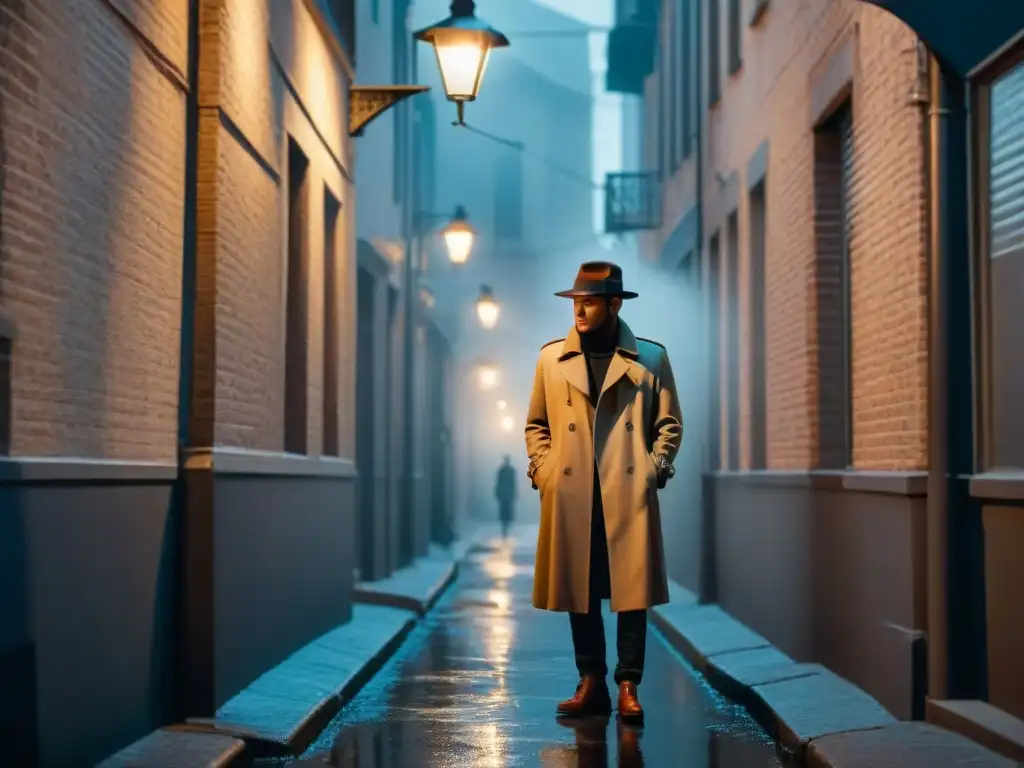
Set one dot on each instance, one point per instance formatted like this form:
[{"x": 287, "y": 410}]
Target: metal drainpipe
[
  {"x": 708, "y": 592},
  {"x": 183, "y": 687},
  {"x": 957, "y": 663},
  {"x": 409, "y": 284},
  {"x": 936, "y": 527}
]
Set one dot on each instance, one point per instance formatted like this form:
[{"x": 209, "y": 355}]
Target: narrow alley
[{"x": 477, "y": 684}]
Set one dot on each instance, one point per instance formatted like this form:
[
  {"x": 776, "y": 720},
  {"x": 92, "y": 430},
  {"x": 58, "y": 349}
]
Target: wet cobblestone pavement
[{"x": 476, "y": 685}]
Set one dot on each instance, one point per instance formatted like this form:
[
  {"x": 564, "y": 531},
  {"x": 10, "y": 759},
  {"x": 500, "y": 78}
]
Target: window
[
  {"x": 686, "y": 72},
  {"x": 732, "y": 278},
  {"x": 296, "y": 311},
  {"x": 508, "y": 194},
  {"x": 366, "y": 429},
  {"x": 833, "y": 164},
  {"x": 664, "y": 134},
  {"x": 735, "y": 36},
  {"x": 673, "y": 77},
  {"x": 400, "y": 120},
  {"x": 714, "y": 310},
  {"x": 714, "y": 51},
  {"x": 1006, "y": 270},
  {"x": 758, "y": 349},
  {"x": 344, "y": 13},
  {"x": 331, "y": 331}
]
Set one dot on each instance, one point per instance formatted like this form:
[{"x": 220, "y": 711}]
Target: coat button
[
  {"x": 629, "y": 471},
  {"x": 567, "y": 471},
  {"x": 572, "y": 427},
  {"x": 629, "y": 426}
]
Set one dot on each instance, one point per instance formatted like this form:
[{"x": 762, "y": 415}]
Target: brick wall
[
  {"x": 90, "y": 265},
  {"x": 772, "y": 98},
  {"x": 255, "y": 96}
]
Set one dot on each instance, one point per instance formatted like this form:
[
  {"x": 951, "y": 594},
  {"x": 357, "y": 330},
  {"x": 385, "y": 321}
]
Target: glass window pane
[{"x": 1006, "y": 231}]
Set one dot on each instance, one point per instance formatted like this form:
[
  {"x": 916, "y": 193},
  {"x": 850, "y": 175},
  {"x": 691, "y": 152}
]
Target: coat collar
[{"x": 623, "y": 363}]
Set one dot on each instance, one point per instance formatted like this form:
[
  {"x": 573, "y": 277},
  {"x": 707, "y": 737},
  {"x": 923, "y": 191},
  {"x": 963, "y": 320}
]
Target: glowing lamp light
[
  {"x": 462, "y": 44},
  {"x": 487, "y": 309},
  {"x": 487, "y": 376},
  {"x": 459, "y": 236},
  {"x": 507, "y": 423},
  {"x": 502, "y": 405}
]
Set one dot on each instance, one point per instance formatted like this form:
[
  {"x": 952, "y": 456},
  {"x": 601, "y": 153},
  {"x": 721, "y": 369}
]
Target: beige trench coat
[{"x": 637, "y": 421}]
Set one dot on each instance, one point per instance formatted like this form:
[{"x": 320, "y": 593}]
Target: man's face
[{"x": 595, "y": 312}]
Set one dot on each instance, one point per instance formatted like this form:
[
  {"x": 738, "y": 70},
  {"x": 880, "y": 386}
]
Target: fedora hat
[{"x": 598, "y": 278}]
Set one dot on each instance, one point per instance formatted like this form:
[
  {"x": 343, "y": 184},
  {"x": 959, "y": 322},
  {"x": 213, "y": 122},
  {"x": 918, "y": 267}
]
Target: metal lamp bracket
[{"x": 366, "y": 102}]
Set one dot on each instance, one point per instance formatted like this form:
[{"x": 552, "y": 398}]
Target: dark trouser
[
  {"x": 505, "y": 516},
  {"x": 588, "y": 641},
  {"x": 588, "y": 628}
]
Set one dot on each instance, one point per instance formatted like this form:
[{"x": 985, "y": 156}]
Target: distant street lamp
[
  {"x": 502, "y": 405},
  {"x": 487, "y": 376},
  {"x": 507, "y": 422},
  {"x": 459, "y": 236},
  {"x": 462, "y": 43},
  {"x": 487, "y": 309}
]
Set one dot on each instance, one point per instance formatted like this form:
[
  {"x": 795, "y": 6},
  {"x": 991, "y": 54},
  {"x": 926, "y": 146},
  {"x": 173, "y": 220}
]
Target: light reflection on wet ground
[{"x": 476, "y": 685}]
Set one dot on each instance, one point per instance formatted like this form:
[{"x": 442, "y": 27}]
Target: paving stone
[
  {"x": 902, "y": 745},
  {"x": 415, "y": 588},
  {"x": 704, "y": 631},
  {"x": 736, "y": 673},
  {"x": 810, "y": 707},
  {"x": 178, "y": 749},
  {"x": 284, "y": 709}
]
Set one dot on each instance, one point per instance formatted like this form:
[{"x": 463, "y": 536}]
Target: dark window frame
[
  {"x": 734, "y": 319},
  {"x": 690, "y": 108},
  {"x": 758, "y": 316},
  {"x": 296, "y": 341},
  {"x": 734, "y": 36},
  {"x": 344, "y": 14},
  {"x": 331, "y": 435},
  {"x": 981, "y": 246},
  {"x": 833, "y": 275},
  {"x": 714, "y": 345},
  {"x": 714, "y": 52},
  {"x": 674, "y": 79}
]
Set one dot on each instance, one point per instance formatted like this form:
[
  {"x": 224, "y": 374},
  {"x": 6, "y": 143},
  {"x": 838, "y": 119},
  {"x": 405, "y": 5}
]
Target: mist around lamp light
[
  {"x": 487, "y": 377},
  {"x": 487, "y": 309},
  {"x": 459, "y": 237}
]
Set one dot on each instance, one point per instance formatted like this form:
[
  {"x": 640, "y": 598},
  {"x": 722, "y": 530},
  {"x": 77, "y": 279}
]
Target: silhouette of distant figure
[{"x": 505, "y": 492}]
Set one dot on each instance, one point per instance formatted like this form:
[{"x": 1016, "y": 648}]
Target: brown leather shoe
[
  {"x": 629, "y": 706},
  {"x": 591, "y": 698}
]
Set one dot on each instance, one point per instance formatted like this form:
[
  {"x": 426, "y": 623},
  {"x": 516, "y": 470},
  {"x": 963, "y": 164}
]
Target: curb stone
[
  {"x": 812, "y": 712},
  {"x": 173, "y": 748},
  {"x": 286, "y": 708},
  {"x": 415, "y": 588},
  {"x": 282, "y": 712}
]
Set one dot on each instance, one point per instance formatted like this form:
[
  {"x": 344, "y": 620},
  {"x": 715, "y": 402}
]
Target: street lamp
[
  {"x": 462, "y": 43},
  {"x": 459, "y": 236},
  {"x": 502, "y": 405},
  {"x": 507, "y": 422},
  {"x": 487, "y": 309}
]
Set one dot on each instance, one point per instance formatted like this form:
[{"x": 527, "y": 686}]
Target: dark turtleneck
[{"x": 598, "y": 348}]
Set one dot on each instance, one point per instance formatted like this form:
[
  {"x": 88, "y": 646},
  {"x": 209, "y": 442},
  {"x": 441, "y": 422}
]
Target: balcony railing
[
  {"x": 632, "y": 45},
  {"x": 632, "y": 201}
]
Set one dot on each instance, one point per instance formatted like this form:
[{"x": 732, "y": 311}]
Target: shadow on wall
[{"x": 18, "y": 710}]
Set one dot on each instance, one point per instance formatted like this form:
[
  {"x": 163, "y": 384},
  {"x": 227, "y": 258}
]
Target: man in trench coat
[{"x": 603, "y": 428}]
